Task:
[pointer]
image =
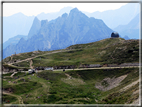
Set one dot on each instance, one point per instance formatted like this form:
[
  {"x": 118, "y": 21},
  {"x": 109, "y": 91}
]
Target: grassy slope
[
  {"x": 16, "y": 67},
  {"x": 23, "y": 64},
  {"x": 57, "y": 88},
  {"x": 23, "y": 56},
  {"x": 111, "y": 51}
]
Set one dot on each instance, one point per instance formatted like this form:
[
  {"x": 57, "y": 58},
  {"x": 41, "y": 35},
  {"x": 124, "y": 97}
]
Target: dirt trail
[
  {"x": 13, "y": 74},
  {"x": 23, "y": 60},
  {"x": 18, "y": 97},
  {"x": 69, "y": 77},
  {"x": 136, "y": 101},
  {"x": 35, "y": 57},
  {"x": 130, "y": 85},
  {"x": 136, "y": 92},
  {"x": 72, "y": 81},
  {"x": 31, "y": 62},
  {"x": 112, "y": 82},
  {"x": 65, "y": 51}
]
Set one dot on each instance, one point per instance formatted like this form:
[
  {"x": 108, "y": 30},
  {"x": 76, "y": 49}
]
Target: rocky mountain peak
[
  {"x": 74, "y": 11},
  {"x": 21, "y": 40},
  {"x": 35, "y": 27},
  {"x": 64, "y": 15},
  {"x": 43, "y": 22},
  {"x": 75, "y": 28}
]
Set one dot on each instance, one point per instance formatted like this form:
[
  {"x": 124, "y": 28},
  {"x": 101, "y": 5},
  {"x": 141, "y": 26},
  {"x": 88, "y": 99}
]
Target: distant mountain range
[
  {"x": 69, "y": 29},
  {"x": 54, "y": 15},
  {"x": 14, "y": 40},
  {"x": 127, "y": 27},
  {"x": 131, "y": 29},
  {"x": 35, "y": 27},
  {"x": 17, "y": 24},
  {"x": 13, "y": 25},
  {"x": 20, "y": 24},
  {"x": 121, "y": 16}
]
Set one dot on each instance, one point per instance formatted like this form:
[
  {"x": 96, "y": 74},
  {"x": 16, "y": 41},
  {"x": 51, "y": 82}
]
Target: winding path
[
  {"x": 31, "y": 62},
  {"x": 69, "y": 77},
  {"x": 18, "y": 97},
  {"x": 36, "y": 56},
  {"x": 13, "y": 74}
]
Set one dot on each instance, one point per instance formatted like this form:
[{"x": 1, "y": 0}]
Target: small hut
[{"x": 114, "y": 35}]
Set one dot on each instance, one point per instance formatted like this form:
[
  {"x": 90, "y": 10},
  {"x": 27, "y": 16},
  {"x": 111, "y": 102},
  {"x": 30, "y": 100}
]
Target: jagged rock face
[
  {"x": 62, "y": 32},
  {"x": 35, "y": 27},
  {"x": 13, "y": 41}
]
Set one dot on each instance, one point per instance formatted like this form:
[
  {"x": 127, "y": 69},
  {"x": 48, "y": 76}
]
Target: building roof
[{"x": 114, "y": 34}]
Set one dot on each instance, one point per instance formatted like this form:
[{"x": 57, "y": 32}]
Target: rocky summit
[{"x": 66, "y": 30}]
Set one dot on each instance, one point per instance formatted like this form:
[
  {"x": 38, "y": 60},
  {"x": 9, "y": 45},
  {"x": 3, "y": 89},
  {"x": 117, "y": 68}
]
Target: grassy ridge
[
  {"x": 110, "y": 51},
  {"x": 123, "y": 53},
  {"x": 23, "y": 56},
  {"x": 102, "y": 52}
]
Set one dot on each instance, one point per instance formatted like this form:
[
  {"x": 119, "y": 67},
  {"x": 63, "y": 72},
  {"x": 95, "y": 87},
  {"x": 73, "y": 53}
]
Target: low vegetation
[
  {"x": 74, "y": 86},
  {"x": 101, "y": 52},
  {"x": 11, "y": 67},
  {"x": 23, "y": 64},
  {"x": 106, "y": 51},
  {"x": 22, "y": 56},
  {"x": 6, "y": 99},
  {"x": 48, "y": 87}
]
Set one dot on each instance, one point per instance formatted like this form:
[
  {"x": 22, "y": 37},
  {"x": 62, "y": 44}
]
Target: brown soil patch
[
  {"x": 111, "y": 83},
  {"x": 31, "y": 62},
  {"x": 72, "y": 81},
  {"x": 136, "y": 101},
  {"x": 130, "y": 85},
  {"x": 13, "y": 74},
  {"x": 136, "y": 92}
]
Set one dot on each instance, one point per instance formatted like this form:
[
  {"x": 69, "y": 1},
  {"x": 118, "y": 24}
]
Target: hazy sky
[{"x": 31, "y": 9}]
